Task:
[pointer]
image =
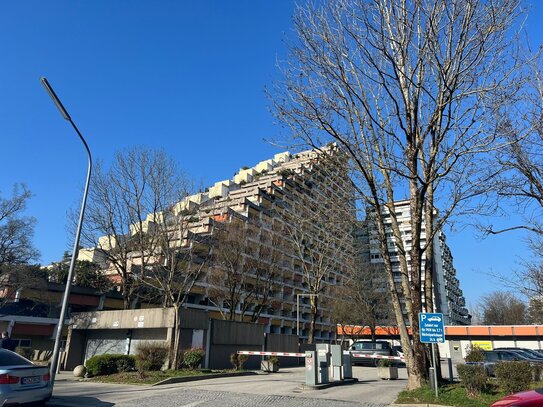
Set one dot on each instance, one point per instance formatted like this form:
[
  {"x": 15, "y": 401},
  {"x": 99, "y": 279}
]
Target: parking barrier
[
  {"x": 291, "y": 354},
  {"x": 372, "y": 356}
]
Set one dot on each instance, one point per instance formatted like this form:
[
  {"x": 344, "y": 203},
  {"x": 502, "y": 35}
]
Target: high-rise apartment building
[
  {"x": 448, "y": 296},
  {"x": 299, "y": 212}
]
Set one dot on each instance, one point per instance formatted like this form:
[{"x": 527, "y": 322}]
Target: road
[{"x": 279, "y": 389}]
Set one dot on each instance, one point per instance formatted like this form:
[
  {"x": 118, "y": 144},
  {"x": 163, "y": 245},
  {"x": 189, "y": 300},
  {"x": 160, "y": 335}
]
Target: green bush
[
  {"x": 25, "y": 352},
  {"x": 238, "y": 360},
  {"x": 473, "y": 377},
  {"x": 100, "y": 365},
  {"x": 474, "y": 354},
  {"x": 193, "y": 357},
  {"x": 142, "y": 366},
  {"x": 513, "y": 376},
  {"x": 385, "y": 363},
  {"x": 274, "y": 360},
  {"x": 126, "y": 364},
  {"x": 153, "y": 353}
]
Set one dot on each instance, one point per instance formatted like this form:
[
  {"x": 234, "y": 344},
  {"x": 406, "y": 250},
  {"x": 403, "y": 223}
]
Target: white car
[
  {"x": 434, "y": 319},
  {"x": 21, "y": 381}
]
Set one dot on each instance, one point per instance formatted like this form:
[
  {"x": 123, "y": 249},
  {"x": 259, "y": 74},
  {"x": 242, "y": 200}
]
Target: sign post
[{"x": 432, "y": 331}]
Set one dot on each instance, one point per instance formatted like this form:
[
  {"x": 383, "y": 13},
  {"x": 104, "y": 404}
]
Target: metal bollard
[
  {"x": 323, "y": 358},
  {"x": 347, "y": 366},
  {"x": 311, "y": 368},
  {"x": 337, "y": 362}
]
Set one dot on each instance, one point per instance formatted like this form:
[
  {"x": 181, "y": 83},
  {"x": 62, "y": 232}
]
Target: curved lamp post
[{"x": 60, "y": 326}]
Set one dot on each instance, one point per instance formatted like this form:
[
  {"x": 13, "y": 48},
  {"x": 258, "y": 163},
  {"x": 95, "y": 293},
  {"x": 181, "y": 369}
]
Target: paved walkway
[{"x": 283, "y": 388}]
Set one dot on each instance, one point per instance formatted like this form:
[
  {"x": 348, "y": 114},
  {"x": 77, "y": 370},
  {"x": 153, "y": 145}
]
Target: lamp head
[{"x": 55, "y": 98}]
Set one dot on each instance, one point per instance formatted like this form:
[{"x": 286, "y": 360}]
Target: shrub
[
  {"x": 238, "y": 360},
  {"x": 385, "y": 363},
  {"x": 193, "y": 357},
  {"x": 154, "y": 353},
  {"x": 100, "y": 365},
  {"x": 513, "y": 376},
  {"x": 25, "y": 352},
  {"x": 473, "y": 377},
  {"x": 126, "y": 364},
  {"x": 274, "y": 360},
  {"x": 475, "y": 354},
  {"x": 142, "y": 367}
]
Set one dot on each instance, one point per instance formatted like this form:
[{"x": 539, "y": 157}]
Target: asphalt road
[{"x": 279, "y": 389}]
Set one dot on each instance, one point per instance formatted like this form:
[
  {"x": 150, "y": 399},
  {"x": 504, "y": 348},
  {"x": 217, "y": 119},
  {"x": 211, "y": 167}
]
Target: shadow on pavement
[{"x": 77, "y": 401}]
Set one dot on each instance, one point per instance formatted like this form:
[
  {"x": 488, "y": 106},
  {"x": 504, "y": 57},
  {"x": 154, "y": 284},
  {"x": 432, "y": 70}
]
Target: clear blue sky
[{"x": 185, "y": 76}]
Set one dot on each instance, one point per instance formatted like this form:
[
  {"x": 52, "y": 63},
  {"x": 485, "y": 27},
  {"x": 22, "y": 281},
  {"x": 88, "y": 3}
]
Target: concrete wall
[
  {"x": 126, "y": 319},
  {"x": 228, "y": 337},
  {"x": 102, "y": 332},
  {"x": 283, "y": 343}
]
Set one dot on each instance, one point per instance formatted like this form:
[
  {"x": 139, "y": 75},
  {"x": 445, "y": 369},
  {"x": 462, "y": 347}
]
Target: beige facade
[{"x": 275, "y": 194}]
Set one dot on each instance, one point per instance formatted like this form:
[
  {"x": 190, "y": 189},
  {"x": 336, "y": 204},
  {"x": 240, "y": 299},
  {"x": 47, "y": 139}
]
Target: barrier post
[
  {"x": 347, "y": 366},
  {"x": 337, "y": 362},
  {"x": 323, "y": 358},
  {"x": 311, "y": 368}
]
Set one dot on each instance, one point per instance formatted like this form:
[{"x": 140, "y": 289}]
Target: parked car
[
  {"x": 528, "y": 398},
  {"x": 525, "y": 351},
  {"x": 494, "y": 356},
  {"x": 397, "y": 351},
  {"x": 381, "y": 348},
  {"x": 21, "y": 381}
]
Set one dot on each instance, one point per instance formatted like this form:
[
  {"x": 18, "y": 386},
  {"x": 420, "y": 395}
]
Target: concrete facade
[
  {"x": 120, "y": 332},
  {"x": 448, "y": 296},
  {"x": 263, "y": 195}
]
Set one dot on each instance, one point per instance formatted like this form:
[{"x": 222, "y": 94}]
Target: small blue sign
[{"x": 431, "y": 328}]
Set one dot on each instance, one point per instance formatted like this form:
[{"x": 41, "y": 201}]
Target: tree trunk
[
  {"x": 314, "y": 312},
  {"x": 175, "y": 351}
]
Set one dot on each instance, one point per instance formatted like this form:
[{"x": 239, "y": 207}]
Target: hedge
[{"x": 100, "y": 365}]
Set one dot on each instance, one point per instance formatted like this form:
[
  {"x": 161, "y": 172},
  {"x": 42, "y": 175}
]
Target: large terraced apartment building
[{"x": 303, "y": 207}]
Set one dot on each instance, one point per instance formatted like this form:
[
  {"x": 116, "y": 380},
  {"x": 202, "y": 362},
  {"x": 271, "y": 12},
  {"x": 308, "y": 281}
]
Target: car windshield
[
  {"x": 374, "y": 345},
  {"x": 533, "y": 353},
  {"x": 522, "y": 353},
  {"x": 12, "y": 359}
]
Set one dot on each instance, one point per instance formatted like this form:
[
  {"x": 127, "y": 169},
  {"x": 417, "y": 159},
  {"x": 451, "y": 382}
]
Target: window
[{"x": 12, "y": 359}]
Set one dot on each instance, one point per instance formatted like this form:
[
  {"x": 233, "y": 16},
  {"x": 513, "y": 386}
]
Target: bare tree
[
  {"x": 126, "y": 202},
  {"x": 177, "y": 260},
  {"x": 16, "y": 231},
  {"x": 245, "y": 263},
  {"x": 25, "y": 280},
  {"x": 503, "y": 308},
  {"x": 319, "y": 225},
  {"x": 362, "y": 302},
  {"x": 404, "y": 87},
  {"x": 521, "y": 181}
]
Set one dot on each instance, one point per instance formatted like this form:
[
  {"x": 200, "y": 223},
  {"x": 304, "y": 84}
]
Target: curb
[
  {"x": 419, "y": 405},
  {"x": 185, "y": 379}
]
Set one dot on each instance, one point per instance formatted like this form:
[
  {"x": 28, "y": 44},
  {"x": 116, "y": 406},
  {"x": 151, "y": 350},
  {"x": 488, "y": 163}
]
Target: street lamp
[
  {"x": 298, "y": 309},
  {"x": 60, "y": 325}
]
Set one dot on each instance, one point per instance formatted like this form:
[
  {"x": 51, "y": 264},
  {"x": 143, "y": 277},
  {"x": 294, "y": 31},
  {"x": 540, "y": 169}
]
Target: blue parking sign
[{"x": 431, "y": 328}]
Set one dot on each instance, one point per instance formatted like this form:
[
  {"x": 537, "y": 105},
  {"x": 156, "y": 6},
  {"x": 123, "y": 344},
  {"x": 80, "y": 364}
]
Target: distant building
[{"x": 448, "y": 296}]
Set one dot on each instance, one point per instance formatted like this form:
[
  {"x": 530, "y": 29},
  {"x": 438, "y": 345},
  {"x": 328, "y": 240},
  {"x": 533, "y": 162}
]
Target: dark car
[
  {"x": 528, "y": 398},
  {"x": 494, "y": 356},
  {"x": 362, "y": 351},
  {"x": 21, "y": 381},
  {"x": 524, "y": 351}
]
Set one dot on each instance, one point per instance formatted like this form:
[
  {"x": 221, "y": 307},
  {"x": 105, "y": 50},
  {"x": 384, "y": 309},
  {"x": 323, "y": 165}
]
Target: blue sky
[{"x": 185, "y": 76}]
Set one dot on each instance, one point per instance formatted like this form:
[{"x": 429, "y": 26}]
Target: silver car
[{"x": 21, "y": 381}]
